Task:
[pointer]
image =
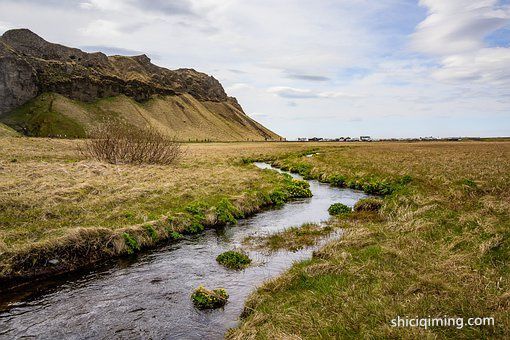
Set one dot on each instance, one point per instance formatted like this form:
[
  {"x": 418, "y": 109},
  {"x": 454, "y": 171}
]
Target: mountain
[{"x": 52, "y": 90}]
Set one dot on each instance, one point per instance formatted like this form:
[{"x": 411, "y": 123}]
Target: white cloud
[
  {"x": 290, "y": 92},
  {"x": 455, "y": 31},
  {"x": 458, "y": 26}
]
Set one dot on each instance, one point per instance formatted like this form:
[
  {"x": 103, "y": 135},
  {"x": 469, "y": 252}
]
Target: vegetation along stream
[{"x": 149, "y": 296}]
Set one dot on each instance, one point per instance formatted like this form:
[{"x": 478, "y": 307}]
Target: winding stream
[{"x": 149, "y": 297}]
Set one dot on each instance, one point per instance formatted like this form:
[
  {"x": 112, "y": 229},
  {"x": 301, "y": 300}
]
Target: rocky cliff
[{"x": 30, "y": 67}]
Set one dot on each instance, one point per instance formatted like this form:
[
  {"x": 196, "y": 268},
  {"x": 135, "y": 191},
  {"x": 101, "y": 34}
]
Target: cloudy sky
[{"x": 386, "y": 68}]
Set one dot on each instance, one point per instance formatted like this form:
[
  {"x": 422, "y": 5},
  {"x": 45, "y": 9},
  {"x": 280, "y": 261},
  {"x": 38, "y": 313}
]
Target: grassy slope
[
  {"x": 441, "y": 246},
  {"x": 6, "y": 131},
  {"x": 50, "y": 195},
  {"x": 184, "y": 117}
]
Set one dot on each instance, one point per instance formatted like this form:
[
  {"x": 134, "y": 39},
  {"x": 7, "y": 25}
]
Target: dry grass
[
  {"x": 51, "y": 195},
  {"x": 292, "y": 239},
  {"x": 441, "y": 247}
]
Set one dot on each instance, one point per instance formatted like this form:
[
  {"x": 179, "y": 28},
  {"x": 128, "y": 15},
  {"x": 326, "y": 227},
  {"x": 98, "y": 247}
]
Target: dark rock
[{"x": 29, "y": 66}]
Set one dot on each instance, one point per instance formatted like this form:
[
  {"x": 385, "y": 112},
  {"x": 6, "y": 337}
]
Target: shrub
[
  {"x": 119, "y": 143},
  {"x": 368, "y": 204},
  {"x": 339, "y": 208},
  {"x": 234, "y": 259},
  {"x": 204, "y": 298}
]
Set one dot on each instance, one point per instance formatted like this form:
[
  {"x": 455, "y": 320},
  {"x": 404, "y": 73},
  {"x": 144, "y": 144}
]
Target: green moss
[
  {"x": 151, "y": 232},
  {"x": 234, "y": 259},
  {"x": 227, "y": 212},
  {"x": 298, "y": 189},
  {"x": 197, "y": 210},
  {"x": 131, "y": 243},
  {"x": 338, "y": 209},
  {"x": 175, "y": 235},
  {"x": 38, "y": 118},
  {"x": 278, "y": 197},
  {"x": 207, "y": 299},
  {"x": 194, "y": 227}
]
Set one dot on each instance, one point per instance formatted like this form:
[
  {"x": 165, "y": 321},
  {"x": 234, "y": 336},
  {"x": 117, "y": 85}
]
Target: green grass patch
[
  {"x": 38, "y": 118},
  {"x": 204, "y": 298},
  {"x": 339, "y": 209},
  {"x": 131, "y": 243},
  {"x": 234, "y": 259}
]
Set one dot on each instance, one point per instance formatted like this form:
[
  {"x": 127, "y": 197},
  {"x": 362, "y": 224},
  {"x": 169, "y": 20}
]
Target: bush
[
  {"x": 234, "y": 259},
  {"x": 116, "y": 142},
  {"x": 339, "y": 208},
  {"x": 368, "y": 204},
  {"x": 204, "y": 298}
]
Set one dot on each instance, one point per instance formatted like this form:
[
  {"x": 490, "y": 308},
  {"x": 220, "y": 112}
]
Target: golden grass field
[
  {"x": 439, "y": 246},
  {"x": 51, "y": 195}
]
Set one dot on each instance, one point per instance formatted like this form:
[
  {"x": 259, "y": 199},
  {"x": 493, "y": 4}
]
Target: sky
[{"x": 385, "y": 68}]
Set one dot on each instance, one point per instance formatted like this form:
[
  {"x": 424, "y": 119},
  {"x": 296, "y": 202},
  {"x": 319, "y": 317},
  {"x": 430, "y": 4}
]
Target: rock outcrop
[{"x": 31, "y": 66}]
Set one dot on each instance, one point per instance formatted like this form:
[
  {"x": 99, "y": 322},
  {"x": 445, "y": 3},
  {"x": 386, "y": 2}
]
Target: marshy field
[{"x": 437, "y": 244}]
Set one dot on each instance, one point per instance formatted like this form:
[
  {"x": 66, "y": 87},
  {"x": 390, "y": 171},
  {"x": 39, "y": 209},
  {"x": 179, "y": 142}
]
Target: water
[{"x": 149, "y": 296}]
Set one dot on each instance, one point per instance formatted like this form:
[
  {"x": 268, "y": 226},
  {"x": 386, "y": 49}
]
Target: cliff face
[{"x": 30, "y": 66}]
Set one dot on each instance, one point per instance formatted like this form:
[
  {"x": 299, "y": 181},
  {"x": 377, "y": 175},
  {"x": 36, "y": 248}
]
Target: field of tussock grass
[
  {"x": 60, "y": 210},
  {"x": 440, "y": 246}
]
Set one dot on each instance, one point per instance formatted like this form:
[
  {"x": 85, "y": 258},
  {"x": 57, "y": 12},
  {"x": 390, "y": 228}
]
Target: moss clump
[
  {"x": 278, "y": 197},
  {"x": 337, "y": 180},
  {"x": 227, "y": 212},
  {"x": 194, "y": 227},
  {"x": 298, "y": 189},
  {"x": 234, "y": 259},
  {"x": 151, "y": 232},
  {"x": 175, "y": 235},
  {"x": 197, "y": 210},
  {"x": 338, "y": 209},
  {"x": 204, "y": 298},
  {"x": 131, "y": 243},
  {"x": 368, "y": 204}
]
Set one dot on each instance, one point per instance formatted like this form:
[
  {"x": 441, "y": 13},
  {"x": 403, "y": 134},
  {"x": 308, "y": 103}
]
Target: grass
[
  {"x": 439, "y": 246},
  {"x": 368, "y": 204},
  {"x": 204, "y": 298},
  {"x": 292, "y": 239},
  {"x": 339, "y": 209},
  {"x": 181, "y": 116},
  {"x": 234, "y": 259},
  {"x": 55, "y": 203}
]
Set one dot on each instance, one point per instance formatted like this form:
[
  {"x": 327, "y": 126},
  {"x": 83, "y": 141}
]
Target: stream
[{"x": 148, "y": 296}]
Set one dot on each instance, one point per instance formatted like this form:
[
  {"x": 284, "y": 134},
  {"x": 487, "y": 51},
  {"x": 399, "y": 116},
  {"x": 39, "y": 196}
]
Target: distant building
[
  {"x": 314, "y": 139},
  {"x": 302, "y": 139},
  {"x": 365, "y": 138}
]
